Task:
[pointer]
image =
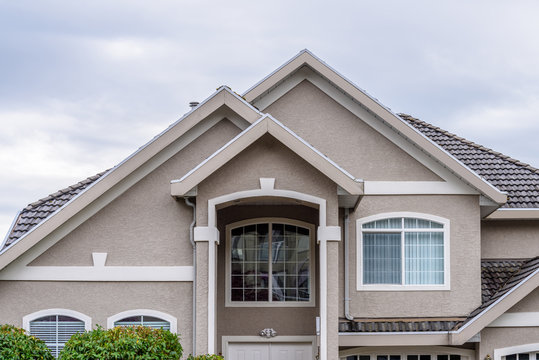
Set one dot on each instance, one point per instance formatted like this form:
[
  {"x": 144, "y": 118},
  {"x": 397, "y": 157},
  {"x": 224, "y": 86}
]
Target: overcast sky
[{"x": 84, "y": 84}]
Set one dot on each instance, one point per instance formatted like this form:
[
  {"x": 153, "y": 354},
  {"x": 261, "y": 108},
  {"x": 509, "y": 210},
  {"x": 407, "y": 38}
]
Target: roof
[
  {"x": 41, "y": 209},
  {"x": 519, "y": 180},
  {"x": 498, "y": 277}
]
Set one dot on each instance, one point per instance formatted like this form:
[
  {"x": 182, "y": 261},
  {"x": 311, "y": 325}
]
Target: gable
[
  {"x": 344, "y": 137},
  {"x": 143, "y": 226}
]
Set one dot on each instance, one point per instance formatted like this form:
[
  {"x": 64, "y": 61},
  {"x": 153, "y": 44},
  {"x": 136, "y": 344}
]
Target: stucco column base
[{"x": 333, "y": 299}]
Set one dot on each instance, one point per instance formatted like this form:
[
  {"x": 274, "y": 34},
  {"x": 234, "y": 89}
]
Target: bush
[
  {"x": 205, "y": 357},
  {"x": 123, "y": 343},
  {"x": 16, "y": 344}
]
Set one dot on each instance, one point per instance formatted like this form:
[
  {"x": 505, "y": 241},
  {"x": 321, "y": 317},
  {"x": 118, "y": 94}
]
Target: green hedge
[
  {"x": 205, "y": 357},
  {"x": 16, "y": 344},
  {"x": 123, "y": 343}
]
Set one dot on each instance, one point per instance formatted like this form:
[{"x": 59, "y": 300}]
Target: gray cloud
[{"x": 85, "y": 84}]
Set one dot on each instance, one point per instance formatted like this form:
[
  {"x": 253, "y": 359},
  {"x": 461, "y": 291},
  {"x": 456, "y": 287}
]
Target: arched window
[
  {"x": 405, "y": 251},
  {"x": 269, "y": 263},
  {"x": 56, "y": 326},
  {"x": 519, "y": 352},
  {"x": 144, "y": 317}
]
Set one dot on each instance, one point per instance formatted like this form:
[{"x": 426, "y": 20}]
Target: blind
[{"x": 56, "y": 330}]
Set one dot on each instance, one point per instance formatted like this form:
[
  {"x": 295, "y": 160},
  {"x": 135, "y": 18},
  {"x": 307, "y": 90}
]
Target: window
[
  {"x": 437, "y": 354},
  {"x": 144, "y": 320},
  {"x": 404, "y": 251},
  {"x": 269, "y": 263},
  {"x": 144, "y": 317},
  {"x": 56, "y": 326},
  {"x": 522, "y": 356}
]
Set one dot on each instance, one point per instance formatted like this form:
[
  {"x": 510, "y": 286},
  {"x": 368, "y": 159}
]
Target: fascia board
[
  {"x": 267, "y": 124},
  {"x": 514, "y": 214},
  {"x": 385, "y": 114},
  {"x": 222, "y": 96},
  {"x": 219, "y": 158},
  {"x": 491, "y": 313}
]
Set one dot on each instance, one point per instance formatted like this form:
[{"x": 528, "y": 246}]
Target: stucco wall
[
  {"x": 529, "y": 304},
  {"x": 98, "y": 300},
  {"x": 513, "y": 239},
  {"x": 497, "y": 338},
  {"x": 144, "y": 225},
  {"x": 267, "y": 158},
  {"x": 465, "y": 293},
  {"x": 345, "y": 138}
]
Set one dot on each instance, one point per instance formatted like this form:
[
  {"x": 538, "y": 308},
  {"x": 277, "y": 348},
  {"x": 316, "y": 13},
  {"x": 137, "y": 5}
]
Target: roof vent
[{"x": 193, "y": 104}]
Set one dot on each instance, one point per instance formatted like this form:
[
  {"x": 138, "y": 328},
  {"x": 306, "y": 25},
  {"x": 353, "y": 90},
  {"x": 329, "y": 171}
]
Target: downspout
[
  {"x": 191, "y": 239},
  {"x": 346, "y": 223}
]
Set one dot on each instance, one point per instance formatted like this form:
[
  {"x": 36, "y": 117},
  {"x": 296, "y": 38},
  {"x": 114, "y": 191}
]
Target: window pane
[
  {"x": 511, "y": 357},
  {"x": 454, "y": 357},
  {"x": 382, "y": 258},
  {"x": 392, "y": 223},
  {"x": 352, "y": 357},
  {"x": 394, "y": 357},
  {"x": 424, "y": 254},
  {"x": 424, "y": 357},
  {"x": 381, "y": 357},
  {"x": 56, "y": 330},
  {"x": 412, "y": 357},
  {"x": 414, "y": 223},
  {"x": 523, "y": 356},
  {"x": 364, "y": 357},
  {"x": 442, "y": 357}
]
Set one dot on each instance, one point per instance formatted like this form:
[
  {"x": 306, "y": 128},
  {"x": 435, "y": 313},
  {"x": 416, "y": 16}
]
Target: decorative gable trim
[
  {"x": 267, "y": 125},
  {"x": 384, "y": 114}
]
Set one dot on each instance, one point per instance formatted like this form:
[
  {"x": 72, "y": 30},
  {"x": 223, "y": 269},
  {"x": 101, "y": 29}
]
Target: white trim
[
  {"x": 514, "y": 214},
  {"x": 312, "y": 279},
  {"x": 402, "y": 287},
  {"x": 416, "y": 188},
  {"x": 144, "y": 312},
  {"x": 226, "y": 340},
  {"x": 520, "y": 319},
  {"x": 329, "y": 233},
  {"x": 98, "y": 273},
  {"x": 9, "y": 230},
  {"x": 206, "y": 233},
  {"x": 408, "y": 350},
  {"x": 269, "y": 192},
  {"x": 499, "y": 353},
  {"x": 65, "y": 312}
]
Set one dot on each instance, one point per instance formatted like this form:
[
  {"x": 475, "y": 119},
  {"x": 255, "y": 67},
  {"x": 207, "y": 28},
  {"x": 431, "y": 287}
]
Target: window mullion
[
  {"x": 403, "y": 268},
  {"x": 270, "y": 261}
]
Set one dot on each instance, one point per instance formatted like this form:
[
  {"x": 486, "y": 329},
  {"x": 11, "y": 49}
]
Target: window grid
[
  {"x": 280, "y": 275},
  {"x": 413, "y": 252},
  {"x": 144, "y": 320}
]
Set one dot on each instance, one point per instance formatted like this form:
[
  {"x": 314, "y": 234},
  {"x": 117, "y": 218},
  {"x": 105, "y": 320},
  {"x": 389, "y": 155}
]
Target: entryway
[{"x": 270, "y": 351}]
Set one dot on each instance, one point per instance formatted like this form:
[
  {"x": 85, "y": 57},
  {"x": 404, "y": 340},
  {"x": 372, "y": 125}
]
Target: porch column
[
  {"x": 207, "y": 239},
  {"x": 329, "y": 288}
]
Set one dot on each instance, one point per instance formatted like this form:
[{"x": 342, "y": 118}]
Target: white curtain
[{"x": 381, "y": 258}]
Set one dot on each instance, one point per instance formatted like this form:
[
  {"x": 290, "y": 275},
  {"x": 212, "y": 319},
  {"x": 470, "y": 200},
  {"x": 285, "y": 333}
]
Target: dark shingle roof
[
  {"x": 519, "y": 180},
  {"x": 497, "y": 278},
  {"x": 38, "y": 211}
]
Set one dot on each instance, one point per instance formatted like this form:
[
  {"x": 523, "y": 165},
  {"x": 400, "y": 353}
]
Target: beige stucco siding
[
  {"x": 529, "y": 304},
  {"x": 498, "y": 338},
  {"x": 514, "y": 239},
  {"x": 345, "y": 138},
  {"x": 98, "y": 301},
  {"x": 465, "y": 292},
  {"x": 144, "y": 225},
  {"x": 267, "y": 158}
]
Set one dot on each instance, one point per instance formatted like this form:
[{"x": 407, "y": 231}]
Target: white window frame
[
  {"x": 27, "y": 319},
  {"x": 402, "y": 287},
  {"x": 519, "y": 349},
  {"x": 144, "y": 312},
  {"x": 310, "y": 303}
]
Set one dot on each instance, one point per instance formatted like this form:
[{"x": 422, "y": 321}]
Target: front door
[{"x": 270, "y": 351}]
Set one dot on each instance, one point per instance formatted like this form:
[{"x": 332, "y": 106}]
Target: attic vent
[{"x": 193, "y": 104}]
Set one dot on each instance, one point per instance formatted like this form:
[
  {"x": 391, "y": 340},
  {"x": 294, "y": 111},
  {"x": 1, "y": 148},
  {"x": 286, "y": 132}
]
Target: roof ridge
[
  {"x": 60, "y": 192},
  {"x": 410, "y": 118}
]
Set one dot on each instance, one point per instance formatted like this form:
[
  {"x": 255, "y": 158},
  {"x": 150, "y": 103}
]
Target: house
[{"x": 300, "y": 220}]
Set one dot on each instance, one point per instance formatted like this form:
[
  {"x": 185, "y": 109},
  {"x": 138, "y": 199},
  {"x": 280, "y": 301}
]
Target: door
[{"x": 270, "y": 351}]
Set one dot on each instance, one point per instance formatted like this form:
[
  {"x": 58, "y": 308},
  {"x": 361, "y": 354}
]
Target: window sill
[{"x": 444, "y": 287}]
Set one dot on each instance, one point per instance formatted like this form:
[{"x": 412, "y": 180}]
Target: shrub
[
  {"x": 16, "y": 344},
  {"x": 205, "y": 357},
  {"x": 123, "y": 343}
]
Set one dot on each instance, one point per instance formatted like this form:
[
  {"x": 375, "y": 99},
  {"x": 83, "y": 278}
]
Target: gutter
[
  {"x": 191, "y": 239},
  {"x": 346, "y": 224}
]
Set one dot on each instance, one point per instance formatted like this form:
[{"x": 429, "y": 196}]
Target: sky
[{"x": 84, "y": 84}]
